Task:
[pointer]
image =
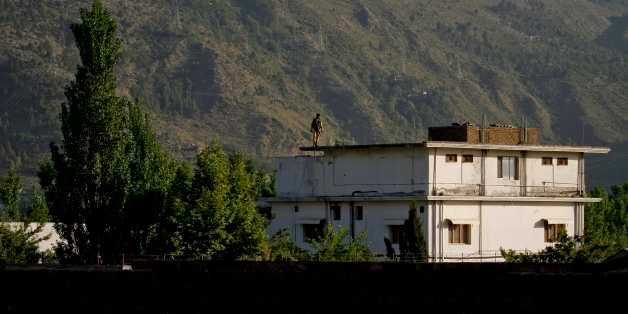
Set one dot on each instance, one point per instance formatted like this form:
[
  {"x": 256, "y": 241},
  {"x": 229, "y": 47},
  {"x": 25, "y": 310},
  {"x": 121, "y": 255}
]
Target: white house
[{"x": 477, "y": 190}]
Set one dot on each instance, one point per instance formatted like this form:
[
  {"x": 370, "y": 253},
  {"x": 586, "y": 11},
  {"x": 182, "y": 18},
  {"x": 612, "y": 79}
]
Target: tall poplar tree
[{"x": 87, "y": 179}]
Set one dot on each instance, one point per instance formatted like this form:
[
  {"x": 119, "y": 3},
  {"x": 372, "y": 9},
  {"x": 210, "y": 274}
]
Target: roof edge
[{"x": 464, "y": 145}]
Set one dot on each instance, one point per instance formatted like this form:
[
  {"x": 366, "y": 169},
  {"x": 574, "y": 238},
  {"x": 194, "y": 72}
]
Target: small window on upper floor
[
  {"x": 547, "y": 161},
  {"x": 561, "y": 161},
  {"x": 452, "y": 158},
  {"x": 335, "y": 212},
  {"x": 467, "y": 158},
  {"x": 508, "y": 167}
]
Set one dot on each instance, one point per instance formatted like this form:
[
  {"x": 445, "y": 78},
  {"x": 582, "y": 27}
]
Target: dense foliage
[
  {"x": 334, "y": 245},
  {"x": 14, "y": 207},
  {"x": 222, "y": 219},
  {"x": 606, "y": 223},
  {"x": 282, "y": 248},
  {"x": 20, "y": 222},
  {"x": 331, "y": 245},
  {"x": 111, "y": 188}
]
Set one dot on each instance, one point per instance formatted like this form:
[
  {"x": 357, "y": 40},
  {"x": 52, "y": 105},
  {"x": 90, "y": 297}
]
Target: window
[
  {"x": 508, "y": 167},
  {"x": 359, "y": 213},
  {"x": 467, "y": 158},
  {"x": 561, "y": 161},
  {"x": 396, "y": 232},
  {"x": 547, "y": 160},
  {"x": 335, "y": 212},
  {"x": 296, "y": 208},
  {"x": 552, "y": 231},
  {"x": 422, "y": 209},
  {"x": 312, "y": 232},
  {"x": 452, "y": 158},
  {"x": 459, "y": 234}
]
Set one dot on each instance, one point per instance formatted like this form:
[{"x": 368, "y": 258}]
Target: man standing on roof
[{"x": 317, "y": 129}]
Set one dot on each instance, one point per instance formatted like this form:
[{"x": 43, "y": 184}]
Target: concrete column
[
  {"x": 483, "y": 173},
  {"x": 433, "y": 229},
  {"x": 480, "y": 229},
  {"x": 523, "y": 176},
  {"x": 579, "y": 219}
]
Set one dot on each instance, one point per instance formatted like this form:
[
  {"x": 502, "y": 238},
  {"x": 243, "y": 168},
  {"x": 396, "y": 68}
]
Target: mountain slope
[{"x": 253, "y": 73}]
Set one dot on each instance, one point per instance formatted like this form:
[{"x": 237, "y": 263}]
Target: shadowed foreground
[{"x": 211, "y": 287}]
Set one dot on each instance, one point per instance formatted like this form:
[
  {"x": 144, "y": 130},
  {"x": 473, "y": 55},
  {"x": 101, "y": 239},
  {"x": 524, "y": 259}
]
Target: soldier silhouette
[{"x": 317, "y": 129}]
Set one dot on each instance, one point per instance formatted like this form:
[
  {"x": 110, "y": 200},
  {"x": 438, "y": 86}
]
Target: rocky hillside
[{"x": 252, "y": 73}]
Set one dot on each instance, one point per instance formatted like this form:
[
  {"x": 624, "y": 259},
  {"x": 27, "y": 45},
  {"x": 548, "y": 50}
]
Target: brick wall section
[{"x": 493, "y": 135}]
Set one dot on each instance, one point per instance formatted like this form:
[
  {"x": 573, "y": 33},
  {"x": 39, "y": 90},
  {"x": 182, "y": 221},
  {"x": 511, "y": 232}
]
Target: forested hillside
[{"x": 252, "y": 73}]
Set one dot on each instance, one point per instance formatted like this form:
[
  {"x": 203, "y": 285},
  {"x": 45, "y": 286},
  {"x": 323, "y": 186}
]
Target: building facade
[{"x": 476, "y": 190}]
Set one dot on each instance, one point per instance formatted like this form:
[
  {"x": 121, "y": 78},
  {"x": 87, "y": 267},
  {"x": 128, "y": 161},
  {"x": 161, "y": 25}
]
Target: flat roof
[
  {"x": 464, "y": 145},
  {"x": 388, "y": 198}
]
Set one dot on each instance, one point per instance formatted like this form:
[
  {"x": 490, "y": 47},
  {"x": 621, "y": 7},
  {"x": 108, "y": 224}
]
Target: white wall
[
  {"x": 342, "y": 173},
  {"x": 509, "y": 225},
  {"x": 455, "y": 178},
  {"x": 552, "y": 180},
  {"x": 458, "y": 178},
  {"x": 378, "y": 216},
  {"x": 494, "y": 225},
  {"x": 500, "y": 186}
]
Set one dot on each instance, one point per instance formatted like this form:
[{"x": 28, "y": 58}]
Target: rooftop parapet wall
[{"x": 490, "y": 135}]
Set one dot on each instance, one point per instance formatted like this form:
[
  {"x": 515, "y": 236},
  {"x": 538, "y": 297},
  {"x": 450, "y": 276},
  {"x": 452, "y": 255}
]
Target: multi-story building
[{"x": 476, "y": 190}]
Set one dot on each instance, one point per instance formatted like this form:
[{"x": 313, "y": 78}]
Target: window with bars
[
  {"x": 552, "y": 231},
  {"x": 561, "y": 161},
  {"x": 459, "y": 234},
  {"x": 547, "y": 161},
  {"x": 467, "y": 158},
  {"x": 452, "y": 158},
  {"x": 508, "y": 167}
]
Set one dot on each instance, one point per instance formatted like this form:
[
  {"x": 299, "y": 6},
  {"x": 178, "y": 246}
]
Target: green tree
[
  {"x": 412, "y": 244},
  {"x": 248, "y": 227},
  {"x": 87, "y": 180},
  {"x": 38, "y": 211},
  {"x": 151, "y": 173},
  {"x": 166, "y": 236},
  {"x": 107, "y": 185},
  {"x": 333, "y": 246},
  {"x": 10, "y": 195},
  {"x": 606, "y": 223},
  {"x": 282, "y": 248},
  {"x": 222, "y": 220},
  {"x": 18, "y": 245}
]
